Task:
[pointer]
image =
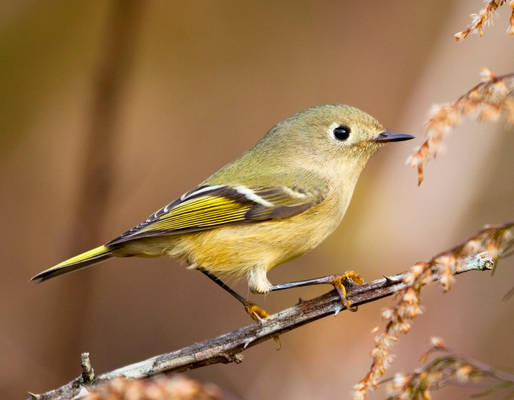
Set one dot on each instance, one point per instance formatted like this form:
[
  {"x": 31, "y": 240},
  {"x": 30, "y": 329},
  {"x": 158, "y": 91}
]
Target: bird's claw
[
  {"x": 257, "y": 313},
  {"x": 339, "y": 282}
]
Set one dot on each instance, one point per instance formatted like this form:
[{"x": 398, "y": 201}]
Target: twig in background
[
  {"x": 445, "y": 370},
  {"x": 484, "y": 17},
  {"x": 477, "y": 254},
  {"x": 96, "y": 176},
  {"x": 486, "y": 101},
  {"x": 492, "y": 242}
]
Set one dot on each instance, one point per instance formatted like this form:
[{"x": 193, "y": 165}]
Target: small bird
[{"x": 274, "y": 203}]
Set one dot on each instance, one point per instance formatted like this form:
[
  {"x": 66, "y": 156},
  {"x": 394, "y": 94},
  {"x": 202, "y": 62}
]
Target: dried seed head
[
  {"x": 487, "y": 101},
  {"x": 399, "y": 318},
  {"x": 463, "y": 373},
  {"x": 483, "y": 18},
  {"x": 436, "y": 341}
]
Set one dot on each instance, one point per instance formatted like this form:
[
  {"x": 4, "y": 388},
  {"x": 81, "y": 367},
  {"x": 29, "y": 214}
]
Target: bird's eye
[{"x": 342, "y": 132}]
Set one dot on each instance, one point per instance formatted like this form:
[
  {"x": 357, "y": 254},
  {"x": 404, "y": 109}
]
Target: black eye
[{"x": 342, "y": 132}]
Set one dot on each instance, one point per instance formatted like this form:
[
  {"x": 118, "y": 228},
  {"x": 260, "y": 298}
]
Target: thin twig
[
  {"x": 228, "y": 347},
  {"x": 88, "y": 373}
]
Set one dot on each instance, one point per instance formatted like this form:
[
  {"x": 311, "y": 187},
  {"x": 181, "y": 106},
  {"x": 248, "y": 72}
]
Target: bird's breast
[{"x": 236, "y": 249}]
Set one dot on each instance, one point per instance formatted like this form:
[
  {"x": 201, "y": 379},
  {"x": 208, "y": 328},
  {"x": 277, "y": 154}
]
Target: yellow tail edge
[{"x": 71, "y": 264}]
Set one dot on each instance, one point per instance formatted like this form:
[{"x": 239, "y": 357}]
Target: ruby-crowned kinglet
[{"x": 277, "y": 201}]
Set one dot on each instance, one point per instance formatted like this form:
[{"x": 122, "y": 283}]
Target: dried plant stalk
[
  {"x": 485, "y": 102},
  {"x": 492, "y": 241},
  {"x": 158, "y": 388},
  {"x": 445, "y": 370},
  {"x": 484, "y": 17}
]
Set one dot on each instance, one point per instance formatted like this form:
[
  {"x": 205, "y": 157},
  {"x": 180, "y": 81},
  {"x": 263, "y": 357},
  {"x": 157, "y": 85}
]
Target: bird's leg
[
  {"x": 338, "y": 281},
  {"x": 257, "y": 313}
]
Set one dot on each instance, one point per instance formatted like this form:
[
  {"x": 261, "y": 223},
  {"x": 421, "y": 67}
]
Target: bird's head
[
  {"x": 335, "y": 138},
  {"x": 336, "y": 131}
]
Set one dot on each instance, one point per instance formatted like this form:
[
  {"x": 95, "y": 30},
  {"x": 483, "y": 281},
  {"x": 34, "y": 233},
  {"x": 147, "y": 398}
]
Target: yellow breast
[{"x": 236, "y": 249}]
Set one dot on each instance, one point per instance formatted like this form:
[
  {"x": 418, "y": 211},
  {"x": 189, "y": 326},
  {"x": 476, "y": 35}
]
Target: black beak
[{"x": 386, "y": 137}]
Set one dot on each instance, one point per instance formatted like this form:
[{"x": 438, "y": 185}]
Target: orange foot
[
  {"x": 257, "y": 313},
  {"x": 339, "y": 283}
]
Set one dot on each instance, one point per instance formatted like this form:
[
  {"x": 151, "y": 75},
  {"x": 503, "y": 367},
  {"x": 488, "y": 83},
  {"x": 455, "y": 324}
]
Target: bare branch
[{"x": 228, "y": 347}]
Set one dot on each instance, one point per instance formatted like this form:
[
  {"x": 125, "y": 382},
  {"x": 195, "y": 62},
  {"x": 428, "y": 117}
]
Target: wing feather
[{"x": 208, "y": 207}]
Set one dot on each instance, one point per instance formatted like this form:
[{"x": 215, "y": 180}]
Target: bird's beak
[{"x": 386, "y": 137}]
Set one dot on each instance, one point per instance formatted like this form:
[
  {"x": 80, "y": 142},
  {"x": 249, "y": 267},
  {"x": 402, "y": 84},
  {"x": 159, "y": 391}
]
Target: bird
[{"x": 274, "y": 203}]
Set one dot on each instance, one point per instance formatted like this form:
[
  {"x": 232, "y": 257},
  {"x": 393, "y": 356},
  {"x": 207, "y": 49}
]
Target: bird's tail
[{"x": 80, "y": 261}]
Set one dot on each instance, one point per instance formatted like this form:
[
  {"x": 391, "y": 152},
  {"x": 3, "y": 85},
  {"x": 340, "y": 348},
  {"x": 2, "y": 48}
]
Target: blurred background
[{"x": 111, "y": 109}]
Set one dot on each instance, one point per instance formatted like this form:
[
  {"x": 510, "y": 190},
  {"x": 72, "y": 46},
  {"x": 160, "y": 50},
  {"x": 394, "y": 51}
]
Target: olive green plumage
[{"x": 278, "y": 200}]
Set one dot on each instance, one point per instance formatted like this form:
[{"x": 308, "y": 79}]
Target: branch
[{"x": 488, "y": 245}]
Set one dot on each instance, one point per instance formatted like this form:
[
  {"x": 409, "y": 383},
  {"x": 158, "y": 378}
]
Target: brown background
[{"x": 205, "y": 81}]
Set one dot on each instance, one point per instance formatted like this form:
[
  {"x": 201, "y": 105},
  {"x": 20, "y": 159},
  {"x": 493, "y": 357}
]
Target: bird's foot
[
  {"x": 257, "y": 313},
  {"x": 341, "y": 282}
]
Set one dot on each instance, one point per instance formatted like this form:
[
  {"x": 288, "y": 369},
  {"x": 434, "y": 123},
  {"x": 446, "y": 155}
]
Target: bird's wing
[{"x": 211, "y": 206}]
